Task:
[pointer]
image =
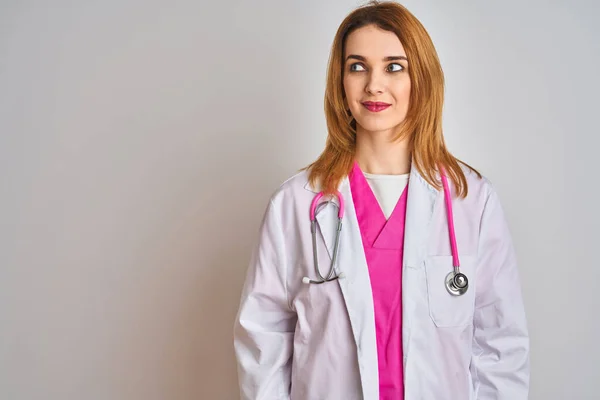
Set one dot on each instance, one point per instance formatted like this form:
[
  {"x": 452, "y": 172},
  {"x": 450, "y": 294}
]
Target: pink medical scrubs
[{"x": 383, "y": 242}]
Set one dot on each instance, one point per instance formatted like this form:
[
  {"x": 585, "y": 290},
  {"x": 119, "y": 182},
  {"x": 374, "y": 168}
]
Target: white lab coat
[{"x": 298, "y": 341}]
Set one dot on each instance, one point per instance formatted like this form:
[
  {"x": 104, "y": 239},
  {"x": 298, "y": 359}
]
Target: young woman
[{"x": 385, "y": 269}]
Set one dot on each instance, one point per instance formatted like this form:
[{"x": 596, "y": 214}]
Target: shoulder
[
  {"x": 293, "y": 189},
  {"x": 483, "y": 197},
  {"x": 295, "y": 182},
  {"x": 291, "y": 199},
  {"x": 479, "y": 187}
]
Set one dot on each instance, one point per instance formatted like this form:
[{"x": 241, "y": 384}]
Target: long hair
[{"x": 422, "y": 126}]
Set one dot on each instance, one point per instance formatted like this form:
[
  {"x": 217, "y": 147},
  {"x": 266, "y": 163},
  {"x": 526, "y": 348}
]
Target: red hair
[{"x": 423, "y": 123}]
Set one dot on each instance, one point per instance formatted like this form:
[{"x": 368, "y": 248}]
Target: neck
[{"x": 377, "y": 154}]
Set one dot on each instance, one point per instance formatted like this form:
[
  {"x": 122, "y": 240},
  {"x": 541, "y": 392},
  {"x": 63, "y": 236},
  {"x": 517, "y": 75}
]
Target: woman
[{"x": 394, "y": 319}]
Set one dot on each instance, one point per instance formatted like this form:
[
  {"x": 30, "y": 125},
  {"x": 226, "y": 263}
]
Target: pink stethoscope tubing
[
  {"x": 331, "y": 276},
  {"x": 456, "y": 282}
]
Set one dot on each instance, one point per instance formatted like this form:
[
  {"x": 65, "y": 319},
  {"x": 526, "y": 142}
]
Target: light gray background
[{"x": 140, "y": 141}]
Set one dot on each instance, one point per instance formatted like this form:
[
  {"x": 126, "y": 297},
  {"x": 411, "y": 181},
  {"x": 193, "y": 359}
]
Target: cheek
[
  {"x": 403, "y": 92},
  {"x": 349, "y": 89}
]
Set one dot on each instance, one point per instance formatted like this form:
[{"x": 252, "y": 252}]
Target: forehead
[{"x": 373, "y": 43}]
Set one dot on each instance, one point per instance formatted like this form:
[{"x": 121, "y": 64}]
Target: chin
[{"x": 376, "y": 127}]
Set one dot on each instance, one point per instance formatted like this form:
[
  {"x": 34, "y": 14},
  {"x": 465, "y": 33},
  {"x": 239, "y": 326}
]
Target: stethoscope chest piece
[{"x": 457, "y": 283}]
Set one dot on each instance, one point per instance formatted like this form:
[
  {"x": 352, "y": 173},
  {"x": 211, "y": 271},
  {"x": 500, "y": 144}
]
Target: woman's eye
[
  {"x": 354, "y": 65},
  {"x": 398, "y": 65}
]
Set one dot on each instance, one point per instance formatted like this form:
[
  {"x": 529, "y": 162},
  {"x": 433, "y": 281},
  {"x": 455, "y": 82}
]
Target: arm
[
  {"x": 265, "y": 323},
  {"x": 500, "y": 362}
]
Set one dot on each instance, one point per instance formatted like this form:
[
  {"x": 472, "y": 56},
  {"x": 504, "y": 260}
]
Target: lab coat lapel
[
  {"x": 419, "y": 210},
  {"x": 356, "y": 288},
  {"x": 355, "y": 285},
  {"x": 421, "y": 201}
]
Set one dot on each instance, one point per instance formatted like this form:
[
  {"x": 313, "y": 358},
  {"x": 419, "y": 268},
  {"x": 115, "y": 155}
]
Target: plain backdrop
[{"x": 140, "y": 142}]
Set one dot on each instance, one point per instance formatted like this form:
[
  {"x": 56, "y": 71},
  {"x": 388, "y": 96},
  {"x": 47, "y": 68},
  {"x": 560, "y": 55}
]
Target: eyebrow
[{"x": 388, "y": 58}]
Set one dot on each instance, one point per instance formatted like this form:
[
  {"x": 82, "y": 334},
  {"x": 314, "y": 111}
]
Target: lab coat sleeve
[
  {"x": 500, "y": 361},
  {"x": 265, "y": 323}
]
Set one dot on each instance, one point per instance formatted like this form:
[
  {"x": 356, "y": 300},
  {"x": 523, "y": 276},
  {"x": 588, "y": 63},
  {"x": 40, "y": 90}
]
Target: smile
[{"x": 375, "y": 106}]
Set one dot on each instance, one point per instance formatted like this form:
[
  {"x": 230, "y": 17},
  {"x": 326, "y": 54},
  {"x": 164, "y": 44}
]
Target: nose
[{"x": 375, "y": 84}]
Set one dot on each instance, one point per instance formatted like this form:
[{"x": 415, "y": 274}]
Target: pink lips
[{"x": 375, "y": 106}]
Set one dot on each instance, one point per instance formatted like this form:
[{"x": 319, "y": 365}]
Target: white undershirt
[{"x": 387, "y": 190}]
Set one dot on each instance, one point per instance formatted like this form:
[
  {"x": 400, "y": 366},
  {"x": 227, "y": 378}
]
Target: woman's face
[{"x": 376, "y": 71}]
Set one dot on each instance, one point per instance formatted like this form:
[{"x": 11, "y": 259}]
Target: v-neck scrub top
[
  {"x": 387, "y": 190},
  {"x": 383, "y": 240}
]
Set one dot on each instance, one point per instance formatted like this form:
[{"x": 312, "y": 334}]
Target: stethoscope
[{"x": 456, "y": 282}]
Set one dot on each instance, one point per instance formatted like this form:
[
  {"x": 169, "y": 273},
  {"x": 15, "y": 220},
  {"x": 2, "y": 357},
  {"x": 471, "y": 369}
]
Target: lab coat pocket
[{"x": 445, "y": 309}]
